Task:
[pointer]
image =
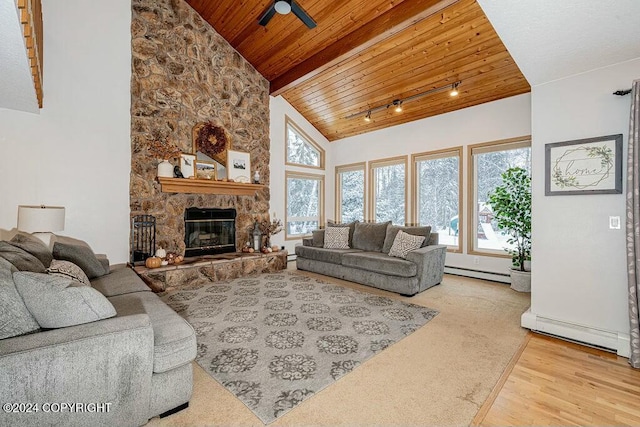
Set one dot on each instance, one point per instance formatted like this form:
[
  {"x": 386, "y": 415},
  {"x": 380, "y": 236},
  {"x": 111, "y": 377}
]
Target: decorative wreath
[{"x": 211, "y": 140}]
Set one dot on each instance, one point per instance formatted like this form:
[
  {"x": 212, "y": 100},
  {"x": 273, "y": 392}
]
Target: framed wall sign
[
  {"x": 188, "y": 165},
  {"x": 584, "y": 166}
]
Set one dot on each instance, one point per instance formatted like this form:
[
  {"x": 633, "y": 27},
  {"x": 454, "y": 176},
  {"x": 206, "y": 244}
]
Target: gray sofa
[
  {"x": 367, "y": 260},
  {"x": 136, "y": 364}
]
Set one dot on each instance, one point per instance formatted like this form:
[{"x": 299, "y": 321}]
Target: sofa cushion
[
  {"x": 121, "y": 280},
  {"x": 80, "y": 255},
  {"x": 380, "y": 263},
  {"x": 58, "y": 302},
  {"x": 34, "y": 246},
  {"x": 317, "y": 238},
  {"x": 405, "y": 243},
  {"x": 336, "y": 238},
  {"x": 369, "y": 236},
  {"x": 392, "y": 231},
  {"x": 21, "y": 259},
  {"x": 15, "y": 319},
  {"x": 68, "y": 270},
  {"x": 173, "y": 337},
  {"x": 333, "y": 256},
  {"x": 351, "y": 225}
]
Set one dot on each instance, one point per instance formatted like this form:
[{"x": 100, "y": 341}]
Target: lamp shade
[{"x": 40, "y": 219}]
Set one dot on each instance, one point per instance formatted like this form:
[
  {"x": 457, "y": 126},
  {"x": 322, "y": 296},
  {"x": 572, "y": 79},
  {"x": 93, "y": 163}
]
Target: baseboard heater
[{"x": 478, "y": 274}]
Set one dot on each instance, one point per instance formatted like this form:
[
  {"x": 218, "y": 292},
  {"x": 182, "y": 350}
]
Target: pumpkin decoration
[{"x": 153, "y": 262}]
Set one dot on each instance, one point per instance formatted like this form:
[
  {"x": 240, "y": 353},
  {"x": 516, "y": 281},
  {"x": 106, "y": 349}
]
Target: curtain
[{"x": 633, "y": 224}]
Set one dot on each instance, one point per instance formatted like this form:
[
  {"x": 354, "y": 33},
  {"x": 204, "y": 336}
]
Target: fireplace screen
[{"x": 209, "y": 231}]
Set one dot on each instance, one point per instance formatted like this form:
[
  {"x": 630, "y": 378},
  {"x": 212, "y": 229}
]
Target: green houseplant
[{"x": 511, "y": 205}]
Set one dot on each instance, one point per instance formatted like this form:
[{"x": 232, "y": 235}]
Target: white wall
[
  {"x": 76, "y": 152},
  {"x": 279, "y": 108},
  {"x": 579, "y": 265},
  {"x": 507, "y": 118}
]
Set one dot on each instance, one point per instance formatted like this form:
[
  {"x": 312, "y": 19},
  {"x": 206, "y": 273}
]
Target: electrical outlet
[
  {"x": 614, "y": 222},
  {"x": 476, "y": 260}
]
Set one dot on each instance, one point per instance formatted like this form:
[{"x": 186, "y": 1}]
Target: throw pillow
[
  {"x": 336, "y": 238},
  {"x": 21, "y": 259},
  {"x": 56, "y": 302},
  {"x": 68, "y": 270},
  {"x": 82, "y": 256},
  {"x": 15, "y": 319},
  {"x": 392, "y": 232},
  {"x": 405, "y": 243},
  {"x": 351, "y": 225},
  {"x": 34, "y": 246},
  {"x": 369, "y": 236},
  {"x": 318, "y": 238}
]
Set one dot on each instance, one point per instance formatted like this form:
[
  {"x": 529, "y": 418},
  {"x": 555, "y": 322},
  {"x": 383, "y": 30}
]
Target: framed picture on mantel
[
  {"x": 584, "y": 166},
  {"x": 239, "y": 166}
]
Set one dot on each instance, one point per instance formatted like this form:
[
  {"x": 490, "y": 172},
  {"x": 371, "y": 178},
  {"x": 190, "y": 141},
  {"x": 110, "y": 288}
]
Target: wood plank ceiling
[{"x": 366, "y": 53}]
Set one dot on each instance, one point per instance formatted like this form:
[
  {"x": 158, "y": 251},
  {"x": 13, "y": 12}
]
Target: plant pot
[
  {"x": 520, "y": 280},
  {"x": 165, "y": 169}
]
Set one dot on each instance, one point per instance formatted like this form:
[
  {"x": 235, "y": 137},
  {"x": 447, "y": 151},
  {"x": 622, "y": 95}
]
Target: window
[
  {"x": 436, "y": 193},
  {"x": 388, "y": 184},
  {"x": 350, "y": 195},
  {"x": 304, "y": 200},
  {"x": 301, "y": 150},
  {"x": 487, "y": 163}
]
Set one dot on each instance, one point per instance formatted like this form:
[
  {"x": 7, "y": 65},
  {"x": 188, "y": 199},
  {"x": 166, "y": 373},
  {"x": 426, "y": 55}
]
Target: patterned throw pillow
[
  {"x": 336, "y": 238},
  {"x": 68, "y": 270},
  {"x": 405, "y": 243}
]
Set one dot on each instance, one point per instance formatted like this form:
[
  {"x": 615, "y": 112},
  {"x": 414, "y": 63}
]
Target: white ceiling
[
  {"x": 553, "y": 39},
  {"x": 16, "y": 84}
]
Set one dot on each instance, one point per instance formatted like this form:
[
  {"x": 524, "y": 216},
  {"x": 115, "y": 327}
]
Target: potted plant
[{"x": 511, "y": 205}]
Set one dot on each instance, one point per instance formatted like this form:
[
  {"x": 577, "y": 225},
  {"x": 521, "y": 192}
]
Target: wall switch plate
[
  {"x": 614, "y": 222},
  {"x": 476, "y": 260}
]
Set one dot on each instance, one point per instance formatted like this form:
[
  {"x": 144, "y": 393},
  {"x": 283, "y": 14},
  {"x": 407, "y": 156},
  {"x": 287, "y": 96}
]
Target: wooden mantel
[{"x": 206, "y": 186}]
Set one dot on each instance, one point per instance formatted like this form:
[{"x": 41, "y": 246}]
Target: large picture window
[
  {"x": 388, "y": 189},
  {"x": 350, "y": 192},
  {"x": 301, "y": 150},
  {"x": 437, "y": 177},
  {"x": 304, "y": 199},
  {"x": 487, "y": 163}
]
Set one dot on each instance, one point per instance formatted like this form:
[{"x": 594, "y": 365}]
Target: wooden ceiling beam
[{"x": 397, "y": 19}]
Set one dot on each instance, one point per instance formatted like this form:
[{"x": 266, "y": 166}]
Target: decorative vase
[
  {"x": 165, "y": 169},
  {"x": 256, "y": 177}
]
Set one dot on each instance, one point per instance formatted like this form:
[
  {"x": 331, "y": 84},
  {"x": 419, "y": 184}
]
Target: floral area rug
[{"x": 274, "y": 340}]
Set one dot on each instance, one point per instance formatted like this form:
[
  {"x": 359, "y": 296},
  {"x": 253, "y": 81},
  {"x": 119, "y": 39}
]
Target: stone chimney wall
[{"x": 183, "y": 73}]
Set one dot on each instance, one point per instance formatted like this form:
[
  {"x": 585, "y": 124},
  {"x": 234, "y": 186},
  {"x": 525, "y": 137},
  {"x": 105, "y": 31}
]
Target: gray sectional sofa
[
  {"x": 136, "y": 363},
  {"x": 367, "y": 260}
]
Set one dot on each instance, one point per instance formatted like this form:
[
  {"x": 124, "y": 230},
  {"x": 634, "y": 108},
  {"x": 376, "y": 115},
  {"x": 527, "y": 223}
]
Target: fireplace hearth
[{"x": 209, "y": 231}]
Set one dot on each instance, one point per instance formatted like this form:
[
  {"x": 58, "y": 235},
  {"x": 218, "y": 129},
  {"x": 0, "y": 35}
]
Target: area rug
[{"x": 274, "y": 340}]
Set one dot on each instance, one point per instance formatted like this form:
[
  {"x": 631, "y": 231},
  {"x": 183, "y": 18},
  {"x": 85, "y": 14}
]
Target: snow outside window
[
  {"x": 304, "y": 203},
  {"x": 388, "y": 186},
  {"x": 350, "y": 195},
  {"x": 301, "y": 150}
]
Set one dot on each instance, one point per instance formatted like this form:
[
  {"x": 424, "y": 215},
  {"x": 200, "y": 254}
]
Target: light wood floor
[{"x": 553, "y": 382}]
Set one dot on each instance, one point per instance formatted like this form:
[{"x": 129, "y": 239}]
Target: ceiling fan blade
[
  {"x": 268, "y": 15},
  {"x": 302, "y": 15}
]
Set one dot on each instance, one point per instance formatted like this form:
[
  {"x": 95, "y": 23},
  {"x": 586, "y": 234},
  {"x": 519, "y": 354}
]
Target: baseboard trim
[
  {"x": 604, "y": 339},
  {"x": 477, "y": 274}
]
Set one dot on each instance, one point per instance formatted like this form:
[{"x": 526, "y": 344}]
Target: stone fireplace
[
  {"x": 209, "y": 231},
  {"x": 184, "y": 73}
]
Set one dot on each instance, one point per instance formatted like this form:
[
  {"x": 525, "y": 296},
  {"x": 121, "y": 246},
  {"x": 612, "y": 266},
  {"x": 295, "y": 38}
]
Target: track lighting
[
  {"x": 397, "y": 103},
  {"x": 454, "y": 89}
]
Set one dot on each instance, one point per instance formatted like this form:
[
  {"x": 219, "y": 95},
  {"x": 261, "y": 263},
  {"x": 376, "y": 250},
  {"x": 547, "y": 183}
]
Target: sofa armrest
[
  {"x": 102, "y": 258},
  {"x": 430, "y": 262},
  {"x": 109, "y": 361}
]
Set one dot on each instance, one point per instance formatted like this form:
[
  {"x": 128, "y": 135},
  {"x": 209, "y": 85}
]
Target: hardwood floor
[{"x": 553, "y": 382}]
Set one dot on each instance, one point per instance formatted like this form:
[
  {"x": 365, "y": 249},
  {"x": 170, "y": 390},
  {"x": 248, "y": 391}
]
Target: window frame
[
  {"x": 301, "y": 175},
  {"x": 433, "y": 155},
  {"x": 389, "y": 161},
  {"x": 289, "y": 122},
  {"x": 351, "y": 167},
  {"x": 472, "y": 214}
]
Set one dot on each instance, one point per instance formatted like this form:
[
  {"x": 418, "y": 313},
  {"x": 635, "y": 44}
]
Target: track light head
[
  {"x": 398, "y": 104},
  {"x": 454, "y": 89},
  {"x": 367, "y": 118}
]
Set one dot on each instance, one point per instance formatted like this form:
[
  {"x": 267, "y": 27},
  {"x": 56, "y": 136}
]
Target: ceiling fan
[{"x": 283, "y": 7}]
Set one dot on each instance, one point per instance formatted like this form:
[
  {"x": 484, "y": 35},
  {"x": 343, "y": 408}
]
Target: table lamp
[{"x": 41, "y": 220}]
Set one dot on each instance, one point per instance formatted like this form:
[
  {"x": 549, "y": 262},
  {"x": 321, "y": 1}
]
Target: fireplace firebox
[{"x": 209, "y": 231}]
